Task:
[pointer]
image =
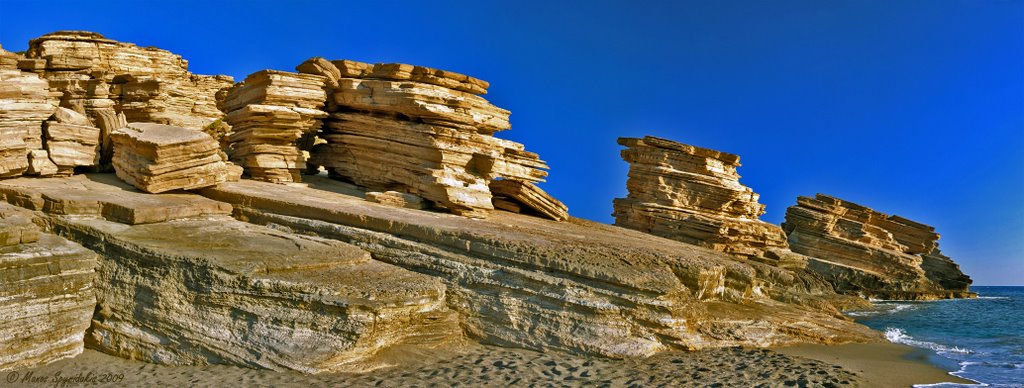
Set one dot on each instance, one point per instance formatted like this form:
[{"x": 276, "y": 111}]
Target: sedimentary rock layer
[
  {"x": 693, "y": 194},
  {"x": 47, "y": 293},
  {"x": 195, "y": 290},
  {"x": 25, "y": 103},
  {"x": 156, "y": 158},
  {"x": 71, "y": 141},
  {"x": 579, "y": 286},
  {"x": 269, "y": 112},
  {"x": 873, "y": 254},
  {"x": 417, "y": 130},
  {"x": 516, "y": 196},
  {"x": 114, "y": 83}
]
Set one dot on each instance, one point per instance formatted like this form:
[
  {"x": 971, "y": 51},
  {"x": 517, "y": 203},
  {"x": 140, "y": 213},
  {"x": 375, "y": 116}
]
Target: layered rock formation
[
  {"x": 269, "y": 112},
  {"x": 872, "y": 254},
  {"x": 574, "y": 286},
  {"x": 182, "y": 283},
  {"x": 693, "y": 195},
  {"x": 417, "y": 130},
  {"x": 114, "y": 83},
  {"x": 156, "y": 158},
  {"x": 517, "y": 196},
  {"x": 71, "y": 141},
  {"x": 47, "y": 297},
  {"x": 25, "y": 102}
]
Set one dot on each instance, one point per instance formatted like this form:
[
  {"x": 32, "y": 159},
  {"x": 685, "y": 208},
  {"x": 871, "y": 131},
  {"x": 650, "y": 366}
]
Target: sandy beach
[{"x": 474, "y": 365}]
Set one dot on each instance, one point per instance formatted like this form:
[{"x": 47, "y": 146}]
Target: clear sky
[{"x": 913, "y": 107}]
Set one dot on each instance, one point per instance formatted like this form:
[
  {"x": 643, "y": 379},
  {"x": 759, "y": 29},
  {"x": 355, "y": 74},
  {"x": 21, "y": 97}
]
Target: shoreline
[
  {"x": 471, "y": 364},
  {"x": 881, "y": 364}
]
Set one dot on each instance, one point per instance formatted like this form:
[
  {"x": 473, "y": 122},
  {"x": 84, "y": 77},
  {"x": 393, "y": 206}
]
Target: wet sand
[
  {"x": 474, "y": 365},
  {"x": 879, "y": 365}
]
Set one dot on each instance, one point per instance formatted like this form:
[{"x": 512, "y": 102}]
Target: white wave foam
[
  {"x": 897, "y": 335},
  {"x": 993, "y": 297}
]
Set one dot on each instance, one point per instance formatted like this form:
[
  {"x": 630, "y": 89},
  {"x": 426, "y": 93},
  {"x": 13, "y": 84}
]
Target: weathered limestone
[
  {"x": 512, "y": 195},
  {"x": 184, "y": 284},
  {"x": 417, "y": 130},
  {"x": 396, "y": 199},
  {"x": 47, "y": 296},
  {"x": 156, "y": 158},
  {"x": 25, "y": 103},
  {"x": 104, "y": 196},
  {"x": 575, "y": 286},
  {"x": 269, "y": 112},
  {"x": 71, "y": 141},
  {"x": 114, "y": 83},
  {"x": 872, "y": 254},
  {"x": 693, "y": 195}
]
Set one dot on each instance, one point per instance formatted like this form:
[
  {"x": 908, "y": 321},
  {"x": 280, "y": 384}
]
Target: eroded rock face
[
  {"x": 156, "y": 158},
  {"x": 577, "y": 286},
  {"x": 47, "y": 294},
  {"x": 71, "y": 141},
  {"x": 693, "y": 194},
  {"x": 869, "y": 253},
  {"x": 418, "y": 130},
  {"x": 517, "y": 197},
  {"x": 269, "y": 112},
  {"x": 25, "y": 102},
  {"x": 114, "y": 83},
  {"x": 183, "y": 283}
]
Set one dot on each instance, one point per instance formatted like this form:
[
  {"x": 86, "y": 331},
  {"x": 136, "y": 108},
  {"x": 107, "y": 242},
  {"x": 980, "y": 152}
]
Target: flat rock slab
[
  {"x": 103, "y": 195},
  {"x": 46, "y": 297},
  {"x": 579, "y": 286},
  {"x": 221, "y": 291}
]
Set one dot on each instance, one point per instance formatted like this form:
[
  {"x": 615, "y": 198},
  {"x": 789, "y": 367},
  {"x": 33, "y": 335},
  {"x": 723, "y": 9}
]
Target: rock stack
[
  {"x": 873, "y": 254},
  {"x": 418, "y": 130},
  {"x": 114, "y": 83},
  {"x": 25, "y": 102},
  {"x": 269, "y": 112},
  {"x": 70, "y": 141},
  {"x": 693, "y": 195},
  {"x": 156, "y": 158}
]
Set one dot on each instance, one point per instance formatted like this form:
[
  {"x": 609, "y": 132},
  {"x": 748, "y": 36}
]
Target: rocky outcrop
[
  {"x": 71, "y": 141},
  {"x": 865, "y": 252},
  {"x": 156, "y": 158},
  {"x": 47, "y": 297},
  {"x": 114, "y": 83},
  {"x": 25, "y": 102},
  {"x": 518, "y": 197},
  {"x": 693, "y": 194},
  {"x": 176, "y": 288},
  {"x": 576, "y": 286},
  {"x": 417, "y": 130},
  {"x": 269, "y": 112}
]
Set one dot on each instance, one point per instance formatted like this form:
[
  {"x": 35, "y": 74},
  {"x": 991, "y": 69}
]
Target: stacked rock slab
[
  {"x": 514, "y": 196},
  {"x": 25, "y": 103},
  {"x": 115, "y": 83},
  {"x": 269, "y": 112},
  {"x": 47, "y": 293},
  {"x": 156, "y": 158},
  {"x": 866, "y": 252},
  {"x": 417, "y": 130},
  {"x": 71, "y": 141},
  {"x": 693, "y": 195}
]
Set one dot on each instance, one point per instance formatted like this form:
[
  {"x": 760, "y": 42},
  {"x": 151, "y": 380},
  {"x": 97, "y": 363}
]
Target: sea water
[{"x": 983, "y": 337}]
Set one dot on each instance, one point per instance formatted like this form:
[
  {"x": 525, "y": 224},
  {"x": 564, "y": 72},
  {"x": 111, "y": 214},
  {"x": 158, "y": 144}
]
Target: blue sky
[{"x": 909, "y": 107}]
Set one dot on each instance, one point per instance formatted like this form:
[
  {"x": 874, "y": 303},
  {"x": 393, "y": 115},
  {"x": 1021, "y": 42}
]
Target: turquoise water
[{"x": 982, "y": 339}]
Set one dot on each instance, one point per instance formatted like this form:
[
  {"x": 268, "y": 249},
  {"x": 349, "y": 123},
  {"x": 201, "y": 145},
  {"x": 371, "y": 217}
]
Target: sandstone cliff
[
  {"x": 872, "y": 254},
  {"x": 693, "y": 195}
]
